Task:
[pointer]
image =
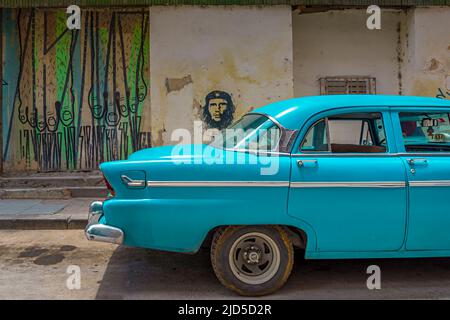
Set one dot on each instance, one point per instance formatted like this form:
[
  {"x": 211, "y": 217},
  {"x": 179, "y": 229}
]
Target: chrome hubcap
[{"x": 254, "y": 258}]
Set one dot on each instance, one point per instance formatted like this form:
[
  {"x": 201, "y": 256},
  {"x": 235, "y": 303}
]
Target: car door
[
  {"x": 347, "y": 183},
  {"x": 425, "y": 143}
]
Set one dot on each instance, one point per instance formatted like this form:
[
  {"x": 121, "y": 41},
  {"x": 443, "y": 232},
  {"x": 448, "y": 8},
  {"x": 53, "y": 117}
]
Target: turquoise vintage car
[{"x": 351, "y": 176}]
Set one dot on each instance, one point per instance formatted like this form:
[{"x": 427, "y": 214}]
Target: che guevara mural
[{"x": 218, "y": 111}]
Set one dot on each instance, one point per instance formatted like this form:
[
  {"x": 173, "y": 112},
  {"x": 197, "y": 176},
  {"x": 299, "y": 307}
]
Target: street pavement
[{"x": 34, "y": 265}]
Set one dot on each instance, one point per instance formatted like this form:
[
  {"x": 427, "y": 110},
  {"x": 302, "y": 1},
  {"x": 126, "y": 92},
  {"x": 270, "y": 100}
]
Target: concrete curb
[
  {"x": 44, "y": 222},
  {"x": 44, "y": 214}
]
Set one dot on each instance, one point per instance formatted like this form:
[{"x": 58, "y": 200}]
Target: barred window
[{"x": 347, "y": 85}]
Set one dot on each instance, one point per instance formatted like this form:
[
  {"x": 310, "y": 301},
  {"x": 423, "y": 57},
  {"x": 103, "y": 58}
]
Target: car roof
[{"x": 289, "y": 112}]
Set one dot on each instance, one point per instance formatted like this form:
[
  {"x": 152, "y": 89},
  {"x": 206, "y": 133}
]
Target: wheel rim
[{"x": 254, "y": 258}]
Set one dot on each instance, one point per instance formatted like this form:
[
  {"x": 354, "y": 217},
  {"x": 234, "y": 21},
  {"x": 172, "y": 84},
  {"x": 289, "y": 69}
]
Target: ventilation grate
[{"x": 347, "y": 85}]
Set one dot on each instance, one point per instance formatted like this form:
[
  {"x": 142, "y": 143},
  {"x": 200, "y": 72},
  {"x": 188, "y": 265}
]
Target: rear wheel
[{"x": 252, "y": 260}]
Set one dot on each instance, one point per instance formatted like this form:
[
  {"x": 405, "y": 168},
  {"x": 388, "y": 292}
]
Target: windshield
[{"x": 251, "y": 132}]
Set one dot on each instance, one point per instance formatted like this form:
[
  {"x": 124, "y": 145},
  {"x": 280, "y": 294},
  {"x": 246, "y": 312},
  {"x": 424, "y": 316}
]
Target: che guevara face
[{"x": 217, "y": 108}]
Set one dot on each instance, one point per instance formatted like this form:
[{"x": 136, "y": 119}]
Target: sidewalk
[{"x": 44, "y": 214}]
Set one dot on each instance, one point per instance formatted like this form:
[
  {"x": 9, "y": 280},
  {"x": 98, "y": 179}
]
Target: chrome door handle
[
  {"x": 303, "y": 163},
  {"x": 132, "y": 183},
  {"x": 419, "y": 161}
]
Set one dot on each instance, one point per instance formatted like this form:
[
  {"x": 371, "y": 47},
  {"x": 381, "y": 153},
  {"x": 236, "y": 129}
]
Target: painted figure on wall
[
  {"x": 218, "y": 110},
  {"x": 442, "y": 94},
  {"x": 75, "y": 98}
]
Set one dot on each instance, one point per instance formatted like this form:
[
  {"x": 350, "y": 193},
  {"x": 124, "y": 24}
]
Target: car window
[
  {"x": 316, "y": 138},
  {"x": 349, "y": 133},
  {"x": 379, "y": 131},
  {"x": 425, "y": 132}
]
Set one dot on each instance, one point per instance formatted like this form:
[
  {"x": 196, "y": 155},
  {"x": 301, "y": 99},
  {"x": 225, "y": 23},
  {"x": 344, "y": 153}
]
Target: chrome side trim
[
  {"x": 358, "y": 184},
  {"x": 258, "y": 152},
  {"x": 132, "y": 183},
  {"x": 350, "y": 184},
  {"x": 375, "y": 154},
  {"x": 423, "y": 154},
  {"x": 343, "y": 155},
  {"x": 430, "y": 183},
  {"x": 270, "y": 118},
  {"x": 218, "y": 183}
]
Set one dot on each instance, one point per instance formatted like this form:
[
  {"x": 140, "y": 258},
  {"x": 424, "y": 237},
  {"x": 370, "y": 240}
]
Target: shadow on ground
[{"x": 135, "y": 273}]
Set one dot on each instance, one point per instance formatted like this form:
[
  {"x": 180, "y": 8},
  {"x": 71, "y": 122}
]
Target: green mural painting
[
  {"x": 74, "y": 98},
  {"x": 443, "y": 94}
]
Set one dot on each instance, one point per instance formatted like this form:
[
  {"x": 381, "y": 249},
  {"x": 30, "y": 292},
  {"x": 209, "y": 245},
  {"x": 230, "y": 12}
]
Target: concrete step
[{"x": 98, "y": 192}]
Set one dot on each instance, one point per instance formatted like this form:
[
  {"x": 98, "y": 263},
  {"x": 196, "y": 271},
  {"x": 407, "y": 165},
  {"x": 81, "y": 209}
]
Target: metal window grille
[{"x": 347, "y": 85}]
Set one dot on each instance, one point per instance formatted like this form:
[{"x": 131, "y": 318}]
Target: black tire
[{"x": 231, "y": 268}]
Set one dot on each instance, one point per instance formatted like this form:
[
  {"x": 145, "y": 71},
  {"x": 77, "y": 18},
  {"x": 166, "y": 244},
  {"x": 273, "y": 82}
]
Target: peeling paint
[
  {"x": 176, "y": 84},
  {"x": 433, "y": 65}
]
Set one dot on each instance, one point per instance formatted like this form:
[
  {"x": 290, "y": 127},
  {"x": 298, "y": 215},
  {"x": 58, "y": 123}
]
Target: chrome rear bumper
[{"x": 101, "y": 232}]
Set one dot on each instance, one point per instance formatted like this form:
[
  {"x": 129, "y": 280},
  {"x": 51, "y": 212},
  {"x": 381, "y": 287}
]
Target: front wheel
[{"x": 252, "y": 260}]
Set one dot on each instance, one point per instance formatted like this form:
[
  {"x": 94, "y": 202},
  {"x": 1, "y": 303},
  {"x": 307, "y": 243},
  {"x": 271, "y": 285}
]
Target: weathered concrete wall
[
  {"x": 338, "y": 43},
  {"x": 245, "y": 52},
  {"x": 427, "y": 67},
  {"x": 72, "y": 99}
]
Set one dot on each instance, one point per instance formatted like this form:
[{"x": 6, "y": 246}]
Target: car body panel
[
  {"x": 429, "y": 194},
  {"x": 342, "y": 225},
  {"x": 173, "y": 213},
  {"x": 190, "y": 193},
  {"x": 290, "y": 113}
]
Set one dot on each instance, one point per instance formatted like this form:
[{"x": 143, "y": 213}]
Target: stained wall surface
[
  {"x": 132, "y": 76},
  {"x": 338, "y": 43},
  {"x": 239, "y": 54},
  {"x": 129, "y": 77},
  {"x": 427, "y": 64}
]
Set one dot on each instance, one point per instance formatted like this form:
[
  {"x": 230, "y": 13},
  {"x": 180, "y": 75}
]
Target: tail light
[{"x": 109, "y": 187}]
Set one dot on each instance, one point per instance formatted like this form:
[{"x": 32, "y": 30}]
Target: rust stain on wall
[
  {"x": 400, "y": 54},
  {"x": 232, "y": 69},
  {"x": 159, "y": 141},
  {"x": 425, "y": 87},
  {"x": 197, "y": 107}
]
